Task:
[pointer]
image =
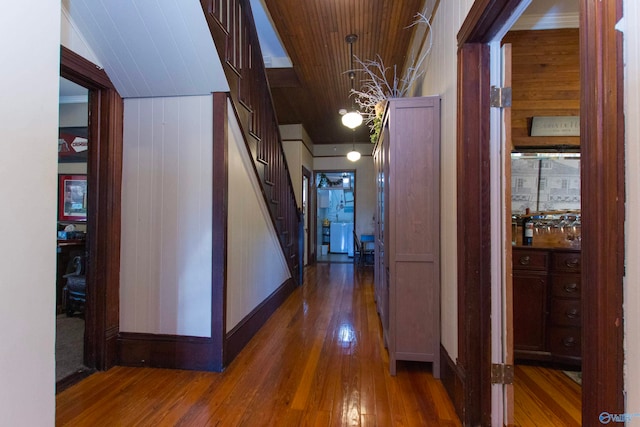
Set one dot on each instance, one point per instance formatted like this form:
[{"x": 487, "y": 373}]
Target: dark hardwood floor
[{"x": 319, "y": 361}]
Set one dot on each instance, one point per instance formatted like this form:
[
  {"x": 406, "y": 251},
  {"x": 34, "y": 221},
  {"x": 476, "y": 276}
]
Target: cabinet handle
[
  {"x": 572, "y": 263},
  {"x": 525, "y": 260},
  {"x": 569, "y": 341},
  {"x": 571, "y": 288},
  {"x": 572, "y": 313}
]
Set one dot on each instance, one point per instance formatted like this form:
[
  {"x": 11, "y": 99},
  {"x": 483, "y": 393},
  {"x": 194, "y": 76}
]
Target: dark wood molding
[
  {"x": 82, "y": 71},
  {"x": 240, "y": 335},
  {"x": 104, "y": 219},
  {"x": 219, "y": 229},
  {"x": 603, "y": 195},
  {"x": 311, "y": 243},
  {"x": 452, "y": 377},
  {"x": 166, "y": 351},
  {"x": 474, "y": 232},
  {"x": 485, "y": 19}
]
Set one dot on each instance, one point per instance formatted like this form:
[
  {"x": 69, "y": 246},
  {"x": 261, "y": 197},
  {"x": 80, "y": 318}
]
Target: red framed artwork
[{"x": 72, "y": 198}]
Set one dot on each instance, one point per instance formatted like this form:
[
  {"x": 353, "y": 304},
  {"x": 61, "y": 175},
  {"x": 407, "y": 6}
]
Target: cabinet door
[{"x": 529, "y": 310}]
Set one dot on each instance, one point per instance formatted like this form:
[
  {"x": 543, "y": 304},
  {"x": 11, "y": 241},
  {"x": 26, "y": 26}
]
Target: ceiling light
[
  {"x": 354, "y": 156},
  {"x": 352, "y": 119}
]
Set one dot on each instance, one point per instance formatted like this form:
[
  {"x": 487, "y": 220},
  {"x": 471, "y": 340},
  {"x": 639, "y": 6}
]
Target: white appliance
[{"x": 341, "y": 241}]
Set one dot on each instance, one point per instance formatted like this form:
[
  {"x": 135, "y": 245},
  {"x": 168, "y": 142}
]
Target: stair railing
[{"x": 232, "y": 28}]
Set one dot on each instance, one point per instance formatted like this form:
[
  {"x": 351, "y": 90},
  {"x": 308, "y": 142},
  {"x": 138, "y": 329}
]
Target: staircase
[{"x": 234, "y": 34}]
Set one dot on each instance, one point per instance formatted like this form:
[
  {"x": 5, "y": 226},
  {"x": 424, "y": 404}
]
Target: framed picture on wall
[
  {"x": 72, "y": 198},
  {"x": 73, "y": 145}
]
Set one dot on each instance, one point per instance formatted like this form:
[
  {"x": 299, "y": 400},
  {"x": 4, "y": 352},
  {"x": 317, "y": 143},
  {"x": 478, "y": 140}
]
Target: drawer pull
[
  {"x": 571, "y": 288},
  {"x": 572, "y": 313},
  {"x": 569, "y": 341},
  {"x": 572, "y": 263},
  {"x": 525, "y": 260}
]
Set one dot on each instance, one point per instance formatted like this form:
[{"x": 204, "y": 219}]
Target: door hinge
[
  {"x": 501, "y": 374},
  {"x": 500, "y": 97}
]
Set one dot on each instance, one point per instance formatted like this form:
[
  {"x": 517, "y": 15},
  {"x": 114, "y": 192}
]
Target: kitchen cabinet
[
  {"x": 407, "y": 235},
  {"x": 547, "y": 305}
]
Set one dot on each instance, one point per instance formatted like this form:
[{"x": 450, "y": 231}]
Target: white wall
[
  {"x": 72, "y": 38},
  {"x": 441, "y": 79},
  {"x": 632, "y": 279},
  {"x": 256, "y": 266},
  {"x": 298, "y": 151},
  {"x": 30, "y": 45},
  {"x": 365, "y": 184},
  {"x": 165, "y": 271}
]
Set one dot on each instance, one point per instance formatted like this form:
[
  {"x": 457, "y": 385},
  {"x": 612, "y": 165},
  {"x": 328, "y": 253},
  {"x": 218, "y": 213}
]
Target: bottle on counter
[{"x": 527, "y": 231}]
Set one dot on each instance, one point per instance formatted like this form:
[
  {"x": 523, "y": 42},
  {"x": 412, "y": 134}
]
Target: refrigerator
[{"x": 341, "y": 241}]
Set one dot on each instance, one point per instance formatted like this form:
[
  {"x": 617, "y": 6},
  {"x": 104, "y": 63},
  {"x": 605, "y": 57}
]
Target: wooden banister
[{"x": 232, "y": 28}]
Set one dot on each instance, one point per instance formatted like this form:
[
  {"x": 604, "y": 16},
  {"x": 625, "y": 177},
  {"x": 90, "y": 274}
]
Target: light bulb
[
  {"x": 352, "y": 119},
  {"x": 354, "y": 156}
]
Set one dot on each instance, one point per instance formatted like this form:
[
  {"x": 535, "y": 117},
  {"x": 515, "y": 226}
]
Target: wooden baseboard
[
  {"x": 166, "y": 351},
  {"x": 452, "y": 377},
  {"x": 242, "y": 333},
  {"x": 196, "y": 353}
]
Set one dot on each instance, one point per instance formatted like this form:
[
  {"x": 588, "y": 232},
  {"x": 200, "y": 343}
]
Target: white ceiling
[
  {"x": 151, "y": 48},
  {"x": 549, "y": 14}
]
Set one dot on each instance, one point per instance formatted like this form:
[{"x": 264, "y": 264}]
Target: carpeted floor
[{"x": 69, "y": 346}]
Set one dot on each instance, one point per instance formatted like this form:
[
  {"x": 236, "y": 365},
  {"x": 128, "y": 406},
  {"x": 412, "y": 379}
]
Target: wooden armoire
[{"x": 407, "y": 252}]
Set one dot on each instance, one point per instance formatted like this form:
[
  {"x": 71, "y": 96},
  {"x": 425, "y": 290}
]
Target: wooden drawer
[
  {"x": 566, "y": 312},
  {"x": 566, "y": 261},
  {"x": 566, "y": 285},
  {"x": 530, "y": 260},
  {"x": 565, "y": 341}
]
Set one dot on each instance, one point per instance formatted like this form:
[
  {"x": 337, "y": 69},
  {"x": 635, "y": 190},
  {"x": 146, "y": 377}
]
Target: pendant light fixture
[
  {"x": 353, "y": 155},
  {"x": 353, "y": 118}
]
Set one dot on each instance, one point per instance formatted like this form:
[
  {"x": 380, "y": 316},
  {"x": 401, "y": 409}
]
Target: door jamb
[{"x": 104, "y": 169}]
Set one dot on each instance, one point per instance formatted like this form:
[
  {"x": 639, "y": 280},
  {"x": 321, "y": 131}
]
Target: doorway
[
  {"x": 71, "y": 284},
  {"x": 335, "y": 215},
  {"x": 602, "y": 147},
  {"x": 306, "y": 215},
  {"x": 543, "y": 211},
  {"x": 104, "y": 172}
]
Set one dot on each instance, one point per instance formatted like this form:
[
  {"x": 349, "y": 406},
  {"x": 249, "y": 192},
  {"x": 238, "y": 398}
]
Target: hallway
[{"x": 319, "y": 360}]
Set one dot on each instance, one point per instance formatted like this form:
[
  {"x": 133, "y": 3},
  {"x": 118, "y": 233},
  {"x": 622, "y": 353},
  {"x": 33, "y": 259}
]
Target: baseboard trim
[
  {"x": 196, "y": 353},
  {"x": 165, "y": 351},
  {"x": 242, "y": 333},
  {"x": 452, "y": 377}
]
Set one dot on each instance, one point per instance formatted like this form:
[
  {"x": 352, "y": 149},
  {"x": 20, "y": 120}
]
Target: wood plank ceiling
[{"x": 313, "y": 33}]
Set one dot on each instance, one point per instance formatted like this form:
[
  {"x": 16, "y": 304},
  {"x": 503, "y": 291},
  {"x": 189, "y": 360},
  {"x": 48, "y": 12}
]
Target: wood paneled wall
[
  {"x": 546, "y": 82},
  {"x": 256, "y": 266},
  {"x": 166, "y": 216}
]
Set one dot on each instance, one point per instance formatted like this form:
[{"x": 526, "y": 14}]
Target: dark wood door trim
[
  {"x": 603, "y": 195},
  {"x": 219, "y": 227},
  {"x": 103, "y": 222},
  {"x": 310, "y": 257},
  {"x": 603, "y": 206},
  {"x": 474, "y": 233}
]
